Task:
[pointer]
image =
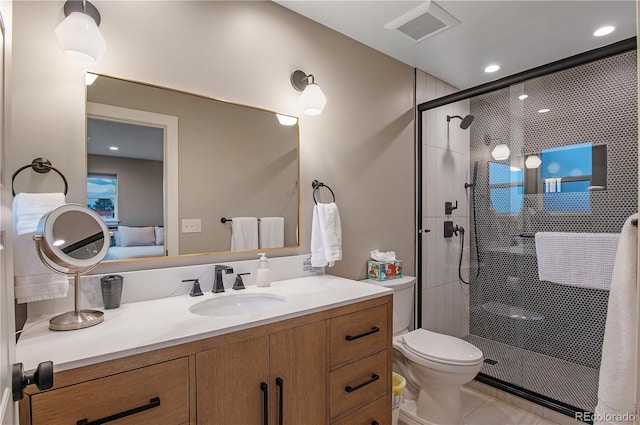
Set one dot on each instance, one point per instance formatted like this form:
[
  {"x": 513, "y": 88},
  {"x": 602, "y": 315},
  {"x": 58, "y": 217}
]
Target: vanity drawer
[
  {"x": 376, "y": 412},
  {"x": 358, "y": 383},
  {"x": 124, "y": 392},
  {"x": 358, "y": 334}
]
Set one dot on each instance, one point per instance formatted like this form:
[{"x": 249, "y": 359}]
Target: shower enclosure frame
[{"x": 563, "y": 64}]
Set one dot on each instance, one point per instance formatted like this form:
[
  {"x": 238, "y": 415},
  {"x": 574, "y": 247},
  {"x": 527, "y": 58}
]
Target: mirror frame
[{"x": 171, "y": 221}]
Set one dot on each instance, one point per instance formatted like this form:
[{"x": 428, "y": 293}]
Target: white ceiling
[
  {"x": 516, "y": 34},
  {"x": 132, "y": 140}
]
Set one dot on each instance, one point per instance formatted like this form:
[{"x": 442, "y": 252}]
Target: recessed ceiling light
[
  {"x": 113, "y": 148},
  {"x": 543, "y": 111},
  {"x": 523, "y": 96},
  {"x": 604, "y": 31},
  {"x": 492, "y": 68}
]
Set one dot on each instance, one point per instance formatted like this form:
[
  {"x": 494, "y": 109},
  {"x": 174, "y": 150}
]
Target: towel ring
[
  {"x": 317, "y": 185},
  {"x": 42, "y": 166}
]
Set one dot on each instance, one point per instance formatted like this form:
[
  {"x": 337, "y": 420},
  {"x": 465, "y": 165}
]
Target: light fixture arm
[
  {"x": 82, "y": 6},
  {"x": 453, "y": 116},
  {"x": 300, "y": 80}
]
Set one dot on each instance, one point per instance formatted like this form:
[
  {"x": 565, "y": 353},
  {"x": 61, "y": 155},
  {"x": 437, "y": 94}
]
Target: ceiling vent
[{"x": 423, "y": 21}]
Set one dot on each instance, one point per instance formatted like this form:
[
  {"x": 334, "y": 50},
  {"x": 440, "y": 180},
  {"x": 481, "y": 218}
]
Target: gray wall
[
  {"x": 362, "y": 145},
  {"x": 139, "y": 188}
]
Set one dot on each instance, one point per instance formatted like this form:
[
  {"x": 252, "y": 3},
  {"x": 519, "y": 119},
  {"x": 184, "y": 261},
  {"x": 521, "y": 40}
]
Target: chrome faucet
[{"x": 218, "y": 285}]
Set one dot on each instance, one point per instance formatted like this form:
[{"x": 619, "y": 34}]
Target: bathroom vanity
[{"x": 321, "y": 357}]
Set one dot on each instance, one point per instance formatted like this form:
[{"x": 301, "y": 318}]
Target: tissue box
[{"x": 384, "y": 270}]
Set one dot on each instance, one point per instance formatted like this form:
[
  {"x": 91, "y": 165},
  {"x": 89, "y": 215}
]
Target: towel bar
[{"x": 224, "y": 220}]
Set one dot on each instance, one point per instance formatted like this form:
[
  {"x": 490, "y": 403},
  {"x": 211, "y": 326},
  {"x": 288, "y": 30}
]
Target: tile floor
[{"x": 479, "y": 408}]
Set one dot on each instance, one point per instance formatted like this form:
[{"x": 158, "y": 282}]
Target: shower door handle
[{"x": 424, "y": 230}]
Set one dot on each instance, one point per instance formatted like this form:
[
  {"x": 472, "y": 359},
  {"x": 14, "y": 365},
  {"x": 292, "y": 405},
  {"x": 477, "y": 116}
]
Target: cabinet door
[
  {"x": 299, "y": 375},
  {"x": 228, "y": 383}
]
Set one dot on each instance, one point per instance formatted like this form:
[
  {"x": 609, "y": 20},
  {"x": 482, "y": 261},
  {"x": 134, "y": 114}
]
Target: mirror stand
[{"x": 76, "y": 319}]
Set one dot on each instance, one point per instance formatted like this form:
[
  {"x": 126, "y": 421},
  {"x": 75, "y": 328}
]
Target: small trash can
[
  {"x": 111, "y": 287},
  {"x": 397, "y": 388}
]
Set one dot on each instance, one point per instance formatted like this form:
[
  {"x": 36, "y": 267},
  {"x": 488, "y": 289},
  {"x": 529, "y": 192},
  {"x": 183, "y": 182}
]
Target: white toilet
[{"x": 434, "y": 365}]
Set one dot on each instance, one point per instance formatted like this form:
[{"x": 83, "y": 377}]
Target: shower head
[{"x": 466, "y": 121}]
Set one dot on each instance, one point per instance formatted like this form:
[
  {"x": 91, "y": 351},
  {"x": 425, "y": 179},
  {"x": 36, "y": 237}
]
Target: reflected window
[
  {"x": 506, "y": 188},
  {"x": 102, "y": 196}
]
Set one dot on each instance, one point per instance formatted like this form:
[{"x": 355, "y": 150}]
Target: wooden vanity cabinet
[
  {"x": 280, "y": 375},
  {"x": 313, "y": 369}
]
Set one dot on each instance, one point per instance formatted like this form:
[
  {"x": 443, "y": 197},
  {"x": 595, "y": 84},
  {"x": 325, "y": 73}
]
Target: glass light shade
[
  {"x": 500, "y": 152},
  {"x": 80, "y": 38},
  {"x": 533, "y": 161},
  {"x": 312, "y": 100},
  {"x": 286, "y": 119}
]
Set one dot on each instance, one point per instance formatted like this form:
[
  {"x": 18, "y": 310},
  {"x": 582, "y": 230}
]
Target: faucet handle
[
  {"x": 195, "y": 289},
  {"x": 239, "y": 284}
]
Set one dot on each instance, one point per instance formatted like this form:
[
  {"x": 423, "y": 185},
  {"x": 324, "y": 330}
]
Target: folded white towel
[
  {"x": 33, "y": 281},
  {"x": 326, "y": 235},
  {"x": 617, "y": 380},
  {"x": 576, "y": 259},
  {"x": 271, "y": 232},
  {"x": 28, "y": 209},
  {"x": 244, "y": 233}
]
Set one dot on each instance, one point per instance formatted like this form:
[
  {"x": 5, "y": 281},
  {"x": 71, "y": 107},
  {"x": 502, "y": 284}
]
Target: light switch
[{"x": 191, "y": 225}]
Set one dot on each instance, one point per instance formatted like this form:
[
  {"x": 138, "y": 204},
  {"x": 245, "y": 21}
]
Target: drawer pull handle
[
  {"x": 280, "y": 384},
  {"x": 372, "y": 331},
  {"x": 351, "y": 389},
  {"x": 154, "y": 402},
  {"x": 265, "y": 390}
]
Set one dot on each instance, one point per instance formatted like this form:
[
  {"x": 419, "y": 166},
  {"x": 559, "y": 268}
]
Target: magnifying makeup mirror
[{"x": 72, "y": 240}]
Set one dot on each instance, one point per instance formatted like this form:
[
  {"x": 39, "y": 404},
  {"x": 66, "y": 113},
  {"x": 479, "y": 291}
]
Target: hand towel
[
  {"x": 271, "y": 232},
  {"x": 326, "y": 235},
  {"x": 28, "y": 209},
  {"x": 32, "y": 280},
  {"x": 244, "y": 233},
  {"x": 576, "y": 259},
  {"x": 617, "y": 378}
]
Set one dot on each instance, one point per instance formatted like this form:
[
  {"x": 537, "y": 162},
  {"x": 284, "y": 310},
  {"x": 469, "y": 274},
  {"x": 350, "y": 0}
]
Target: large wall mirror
[{"x": 164, "y": 167}]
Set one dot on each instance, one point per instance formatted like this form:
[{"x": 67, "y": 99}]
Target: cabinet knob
[{"x": 42, "y": 377}]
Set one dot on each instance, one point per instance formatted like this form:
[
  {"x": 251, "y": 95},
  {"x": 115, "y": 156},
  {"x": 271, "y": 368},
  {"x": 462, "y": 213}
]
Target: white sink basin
[{"x": 237, "y": 304}]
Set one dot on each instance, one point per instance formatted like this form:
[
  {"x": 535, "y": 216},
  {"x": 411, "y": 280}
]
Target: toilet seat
[{"x": 441, "y": 348}]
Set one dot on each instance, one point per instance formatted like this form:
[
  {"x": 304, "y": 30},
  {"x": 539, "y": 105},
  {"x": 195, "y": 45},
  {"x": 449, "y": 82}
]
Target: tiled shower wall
[
  {"x": 445, "y": 159},
  {"x": 596, "y": 103}
]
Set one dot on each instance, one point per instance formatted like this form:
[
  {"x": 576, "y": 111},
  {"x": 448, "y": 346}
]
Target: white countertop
[{"x": 150, "y": 325}]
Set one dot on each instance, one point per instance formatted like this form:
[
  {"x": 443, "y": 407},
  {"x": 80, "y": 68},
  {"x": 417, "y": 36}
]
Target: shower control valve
[
  {"x": 449, "y": 207},
  {"x": 450, "y": 229}
]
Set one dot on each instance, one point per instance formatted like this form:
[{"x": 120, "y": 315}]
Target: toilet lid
[{"x": 441, "y": 348}]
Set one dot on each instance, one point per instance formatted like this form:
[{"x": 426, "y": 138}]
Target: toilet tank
[{"x": 402, "y": 301}]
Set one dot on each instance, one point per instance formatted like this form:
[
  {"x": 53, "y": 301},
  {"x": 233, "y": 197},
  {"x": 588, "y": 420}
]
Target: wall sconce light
[
  {"x": 312, "y": 98},
  {"x": 78, "y": 33},
  {"x": 533, "y": 161},
  {"x": 500, "y": 152}
]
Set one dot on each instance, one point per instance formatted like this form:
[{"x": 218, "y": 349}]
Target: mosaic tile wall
[{"x": 596, "y": 103}]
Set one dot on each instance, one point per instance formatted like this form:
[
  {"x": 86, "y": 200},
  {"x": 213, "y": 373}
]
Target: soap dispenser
[{"x": 263, "y": 276}]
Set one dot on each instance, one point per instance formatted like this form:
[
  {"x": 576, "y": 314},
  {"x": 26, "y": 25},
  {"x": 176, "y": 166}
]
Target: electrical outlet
[{"x": 191, "y": 225}]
